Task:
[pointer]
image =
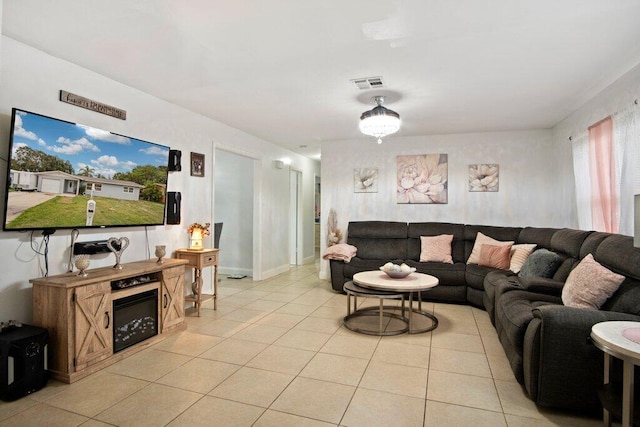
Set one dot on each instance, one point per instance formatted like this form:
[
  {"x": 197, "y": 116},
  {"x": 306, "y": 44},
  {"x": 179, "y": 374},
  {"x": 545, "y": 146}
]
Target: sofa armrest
[
  {"x": 337, "y": 274},
  {"x": 562, "y": 367},
  {"x": 541, "y": 285}
]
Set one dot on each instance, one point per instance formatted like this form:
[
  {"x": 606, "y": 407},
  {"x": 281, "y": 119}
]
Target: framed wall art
[
  {"x": 422, "y": 178},
  {"x": 484, "y": 178},
  {"x": 365, "y": 180},
  {"x": 197, "y": 164}
]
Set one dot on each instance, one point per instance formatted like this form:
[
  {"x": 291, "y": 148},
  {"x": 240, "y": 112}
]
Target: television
[{"x": 64, "y": 175}]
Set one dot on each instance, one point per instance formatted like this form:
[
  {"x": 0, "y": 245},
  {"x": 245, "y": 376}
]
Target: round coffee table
[
  {"x": 413, "y": 283},
  {"x": 618, "y": 339},
  {"x": 382, "y": 312}
]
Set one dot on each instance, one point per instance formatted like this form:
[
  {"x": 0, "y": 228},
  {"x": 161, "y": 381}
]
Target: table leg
[
  {"x": 606, "y": 415},
  {"x": 381, "y": 311},
  {"x": 410, "y": 309},
  {"x": 199, "y": 286},
  {"x": 215, "y": 287},
  {"x": 627, "y": 394}
]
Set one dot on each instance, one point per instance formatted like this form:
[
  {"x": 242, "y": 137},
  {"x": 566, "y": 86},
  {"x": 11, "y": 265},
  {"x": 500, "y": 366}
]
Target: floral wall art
[
  {"x": 365, "y": 180},
  {"x": 484, "y": 177},
  {"x": 422, "y": 179}
]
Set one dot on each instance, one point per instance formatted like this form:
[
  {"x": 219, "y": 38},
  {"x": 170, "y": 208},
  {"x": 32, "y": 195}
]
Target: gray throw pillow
[{"x": 541, "y": 263}]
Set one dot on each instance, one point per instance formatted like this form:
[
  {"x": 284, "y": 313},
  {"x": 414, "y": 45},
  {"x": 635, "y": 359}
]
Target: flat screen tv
[{"x": 66, "y": 175}]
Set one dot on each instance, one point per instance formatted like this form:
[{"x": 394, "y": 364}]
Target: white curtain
[
  {"x": 580, "y": 147},
  {"x": 626, "y": 138},
  {"x": 626, "y": 130}
]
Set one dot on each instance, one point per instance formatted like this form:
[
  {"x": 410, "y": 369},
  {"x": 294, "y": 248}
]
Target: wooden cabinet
[
  {"x": 93, "y": 326},
  {"x": 78, "y": 313},
  {"x": 172, "y": 301}
]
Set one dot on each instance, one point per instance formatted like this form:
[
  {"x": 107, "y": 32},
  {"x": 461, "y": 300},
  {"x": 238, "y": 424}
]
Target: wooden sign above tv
[{"x": 81, "y": 101}]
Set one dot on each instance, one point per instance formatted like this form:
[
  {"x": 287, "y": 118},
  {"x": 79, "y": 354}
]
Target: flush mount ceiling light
[{"x": 380, "y": 121}]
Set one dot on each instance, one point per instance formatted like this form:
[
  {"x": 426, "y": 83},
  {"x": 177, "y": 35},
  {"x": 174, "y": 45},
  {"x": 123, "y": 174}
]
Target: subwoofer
[{"x": 23, "y": 361}]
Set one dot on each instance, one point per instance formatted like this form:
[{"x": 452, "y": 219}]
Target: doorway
[{"x": 234, "y": 208}]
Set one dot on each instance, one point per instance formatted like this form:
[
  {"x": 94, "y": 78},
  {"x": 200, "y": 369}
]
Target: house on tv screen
[{"x": 57, "y": 182}]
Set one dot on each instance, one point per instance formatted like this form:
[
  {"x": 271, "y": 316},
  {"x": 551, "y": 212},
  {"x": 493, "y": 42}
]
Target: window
[{"x": 128, "y": 189}]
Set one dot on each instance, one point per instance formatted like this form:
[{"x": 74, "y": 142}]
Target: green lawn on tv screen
[{"x": 69, "y": 212}]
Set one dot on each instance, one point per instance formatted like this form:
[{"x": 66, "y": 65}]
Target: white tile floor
[{"x": 275, "y": 353}]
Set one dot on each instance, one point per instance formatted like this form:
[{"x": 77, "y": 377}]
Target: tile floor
[{"x": 276, "y": 354}]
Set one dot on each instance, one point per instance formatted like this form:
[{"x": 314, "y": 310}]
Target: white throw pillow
[{"x": 519, "y": 254}]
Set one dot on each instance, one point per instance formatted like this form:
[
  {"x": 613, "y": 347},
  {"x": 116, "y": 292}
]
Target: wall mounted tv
[{"x": 67, "y": 175}]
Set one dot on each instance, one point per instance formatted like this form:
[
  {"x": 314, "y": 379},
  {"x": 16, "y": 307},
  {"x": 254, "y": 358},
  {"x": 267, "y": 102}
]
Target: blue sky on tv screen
[{"x": 104, "y": 152}]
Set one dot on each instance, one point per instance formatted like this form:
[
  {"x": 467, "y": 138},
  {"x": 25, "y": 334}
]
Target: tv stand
[{"x": 78, "y": 313}]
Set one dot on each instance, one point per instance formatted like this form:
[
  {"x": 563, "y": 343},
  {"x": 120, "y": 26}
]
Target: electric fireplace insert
[{"x": 135, "y": 319}]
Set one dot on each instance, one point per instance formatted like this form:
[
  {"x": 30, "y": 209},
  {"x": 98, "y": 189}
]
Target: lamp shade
[{"x": 379, "y": 121}]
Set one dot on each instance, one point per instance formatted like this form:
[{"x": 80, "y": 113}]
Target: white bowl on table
[{"x": 397, "y": 274}]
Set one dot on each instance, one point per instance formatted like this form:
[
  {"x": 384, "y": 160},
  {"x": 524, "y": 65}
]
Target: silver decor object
[
  {"x": 122, "y": 243},
  {"x": 82, "y": 263},
  {"x": 160, "y": 252}
]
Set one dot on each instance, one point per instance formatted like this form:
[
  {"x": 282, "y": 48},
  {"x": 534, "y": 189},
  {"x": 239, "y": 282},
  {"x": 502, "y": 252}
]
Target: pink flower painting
[
  {"x": 484, "y": 177},
  {"x": 422, "y": 179}
]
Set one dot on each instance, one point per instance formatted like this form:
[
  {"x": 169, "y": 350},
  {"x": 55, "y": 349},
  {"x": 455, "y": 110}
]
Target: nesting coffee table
[{"x": 376, "y": 284}]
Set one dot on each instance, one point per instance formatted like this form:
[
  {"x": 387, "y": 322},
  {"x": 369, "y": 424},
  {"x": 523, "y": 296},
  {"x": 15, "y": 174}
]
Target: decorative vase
[
  {"x": 196, "y": 240},
  {"x": 160, "y": 252},
  {"x": 82, "y": 263}
]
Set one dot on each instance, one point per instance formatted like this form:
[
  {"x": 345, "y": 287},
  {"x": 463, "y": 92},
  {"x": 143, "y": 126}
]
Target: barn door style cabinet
[{"x": 99, "y": 319}]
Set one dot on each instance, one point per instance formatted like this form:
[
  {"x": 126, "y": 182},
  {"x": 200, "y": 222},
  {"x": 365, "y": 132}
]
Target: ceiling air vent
[{"x": 368, "y": 83}]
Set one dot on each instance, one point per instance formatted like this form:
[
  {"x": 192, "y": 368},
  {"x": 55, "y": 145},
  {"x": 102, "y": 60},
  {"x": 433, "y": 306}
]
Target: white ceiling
[{"x": 281, "y": 69}]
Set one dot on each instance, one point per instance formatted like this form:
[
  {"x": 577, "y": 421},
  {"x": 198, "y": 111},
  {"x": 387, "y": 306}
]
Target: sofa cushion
[
  {"x": 590, "y": 284},
  {"x": 541, "y": 263},
  {"x": 447, "y": 274},
  {"x": 482, "y": 239},
  {"x": 436, "y": 248},
  {"x": 567, "y": 243},
  {"x": 626, "y": 299},
  {"x": 495, "y": 256},
  {"x": 540, "y": 236},
  {"x": 381, "y": 240},
  {"x": 519, "y": 254},
  {"x": 617, "y": 253},
  {"x": 475, "y": 274}
]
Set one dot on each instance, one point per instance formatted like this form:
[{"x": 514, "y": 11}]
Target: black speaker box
[
  {"x": 175, "y": 157},
  {"x": 173, "y": 207},
  {"x": 23, "y": 361}
]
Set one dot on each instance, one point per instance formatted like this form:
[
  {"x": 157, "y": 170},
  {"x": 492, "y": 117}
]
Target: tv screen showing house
[{"x": 67, "y": 175}]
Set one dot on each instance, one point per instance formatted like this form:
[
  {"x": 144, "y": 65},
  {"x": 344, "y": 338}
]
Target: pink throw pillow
[
  {"x": 481, "y": 239},
  {"x": 590, "y": 284},
  {"x": 436, "y": 248},
  {"x": 495, "y": 256}
]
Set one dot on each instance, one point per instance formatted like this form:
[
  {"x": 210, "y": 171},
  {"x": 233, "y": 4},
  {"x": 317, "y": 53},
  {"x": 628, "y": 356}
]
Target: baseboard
[
  {"x": 275, "y": 271},
  {"x": 309, "y": 260}
]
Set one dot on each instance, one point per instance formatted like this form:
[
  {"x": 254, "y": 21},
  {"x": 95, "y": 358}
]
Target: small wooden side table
[{"x": 199, "y": 260}]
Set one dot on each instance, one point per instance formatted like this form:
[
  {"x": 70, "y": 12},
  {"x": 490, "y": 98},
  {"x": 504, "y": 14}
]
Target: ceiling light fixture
[{"x": 380, "y": 121}]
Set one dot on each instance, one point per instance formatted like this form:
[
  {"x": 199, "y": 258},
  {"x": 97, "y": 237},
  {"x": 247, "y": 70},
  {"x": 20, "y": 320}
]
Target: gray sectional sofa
[{"x": 547, "y": 343}]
